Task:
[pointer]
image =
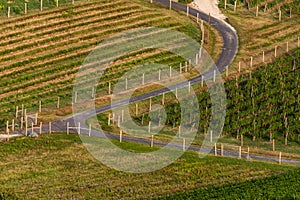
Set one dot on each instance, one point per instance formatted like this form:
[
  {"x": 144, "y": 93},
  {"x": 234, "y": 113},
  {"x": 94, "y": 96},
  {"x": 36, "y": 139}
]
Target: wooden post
[
  {"x": 75, "y": 101},
  {"x": 239, "y": 66},
  {"x": 17, "y": 111},
  {"x": 208, "y": 18},
  {"x": 41, "y": 126},
  {"x": 234, "y": 9},
  {"x": 263, "y": 56},
  {"x": 25, "y": 8},
  {"x": 40, "y": 106},
  {"x": 290, "y": 12},
  {"x": 8, "y": 12},
  {"x": 68, "y": 128},
  {"x": 22, "y": 121},
  {"x": 170, "y": 71},
  {"x": 126, "y": 83},
  {"x": 273, "y": 144},
  {"x": 7, "y": 126},
  {"x": 227, "y": 71},
  {"x": 108, "y": 120},
  {"x": 119, "y": 119},
  {"x": 143, "y": 79},
  {"x": 74, "y": 2},
  {"x": 298, "y": 43},
  {"x": 57, "y": 106},
  {"x": 56, "y": 3},
  {"x": 93, "y": 92},
  {"x": 31, "y": 127},
  {"x": 122, "y": 115},
  {"x": 242, "y": 139},
  {"x": 256, "y": 14},
  {"x": 22, "y": 112},
  {"x": 78, "y": 128},
  {"x": 152, "y": 141},
  {"x": 121, "y": 134},
  {"x": 196, "y": 58},
  {"x": 50, "y": 128},
  {"x": 12, "y": 125},
  {"x": 240, "y": 152},
  {"x": 176, "y": 92},
  {"x": 26, "y": 127},
  {"x": 248, "y": 154},
  {"x": 275, "y": 51},
  {"x": 186, "y": 66},
  {"x": 222, "y": 148},
  {"x": 211, "y": 133},
  {"x": 187, "y": 10},
  {"x": 41, "y": 5},
  {"x": 279, "y": 159},
  {"x": 202, "y": 80},
  {"x": 159, "y": 74},
  {"x": 197, "y": 17},
  {"x": 150, "y": 103},
  {"x": 189, "y": 86},
  {"x": 216, "y": 152},
  {"x": 183, "y": 144},
  {"x": 251, "y": 62},
  {"x": 170, "y": 4},
  {"x": 109, "y": 88},
  {"x": 279, "y": 13},
  {"x": 180, "y": 68},
  {"x": 149, "y": 127},
  {"x": 214, "y": 76},
  {"x": 136, "y": 109},
  {"x": 287, "y": 46},
  {"x": 225, "y": 4},
  {"x": 179, "y": 131},
  {"x": 163, "y": 99}
]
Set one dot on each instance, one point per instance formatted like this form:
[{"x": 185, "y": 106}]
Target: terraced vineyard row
[
  {"x": 40, "y": 57},
  {"x": 264, "y": 32}
]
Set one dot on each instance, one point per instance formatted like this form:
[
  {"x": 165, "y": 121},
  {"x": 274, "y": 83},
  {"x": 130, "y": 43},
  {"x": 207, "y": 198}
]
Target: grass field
[{"x": 59, "y": 166}]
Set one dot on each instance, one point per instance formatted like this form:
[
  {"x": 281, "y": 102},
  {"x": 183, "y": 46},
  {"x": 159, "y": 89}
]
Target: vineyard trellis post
[
  {"x": 225, "y": 4},
  {"x": 68, "y": 124},
  {"x": 25, "y": 8},
  {"x": 41, "y": 5},
  {"x": 149, "y": 127},
  {"x": 280, "y": 158},
  {"x": 216, "y": 152},
  {"x": 170, "y": 4},
  {"x": 273, "y": 144},
  {"x": 152, "y": 141},
  {"x": 234, "y": 9},
  {"x": 121, "y": 134},
  {"x": 8, "y": 11},
  {"x": 240, "y": 152},
  {"x": 197, "y": 17},
  {"x": 183, "y": 144},
  {"x": 279, "y": 14},
  {"x": 50, "y": 128},
  {"x": 256, "y": 14},
  {"x": 187, "y": 10}
]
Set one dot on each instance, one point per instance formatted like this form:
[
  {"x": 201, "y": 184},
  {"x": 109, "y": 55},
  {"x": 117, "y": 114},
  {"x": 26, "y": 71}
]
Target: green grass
[
  {"x": 58, "y": 166},
  {"x": 282, "y": 186}
]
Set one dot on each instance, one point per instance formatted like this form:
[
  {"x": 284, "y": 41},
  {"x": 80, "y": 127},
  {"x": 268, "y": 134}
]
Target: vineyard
[
  {"x": 41, "y": 53},
  {"x": 263, "y": 33},
  {"x": 262, "y": 105},
  {"x": 43, "y": 48}
]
